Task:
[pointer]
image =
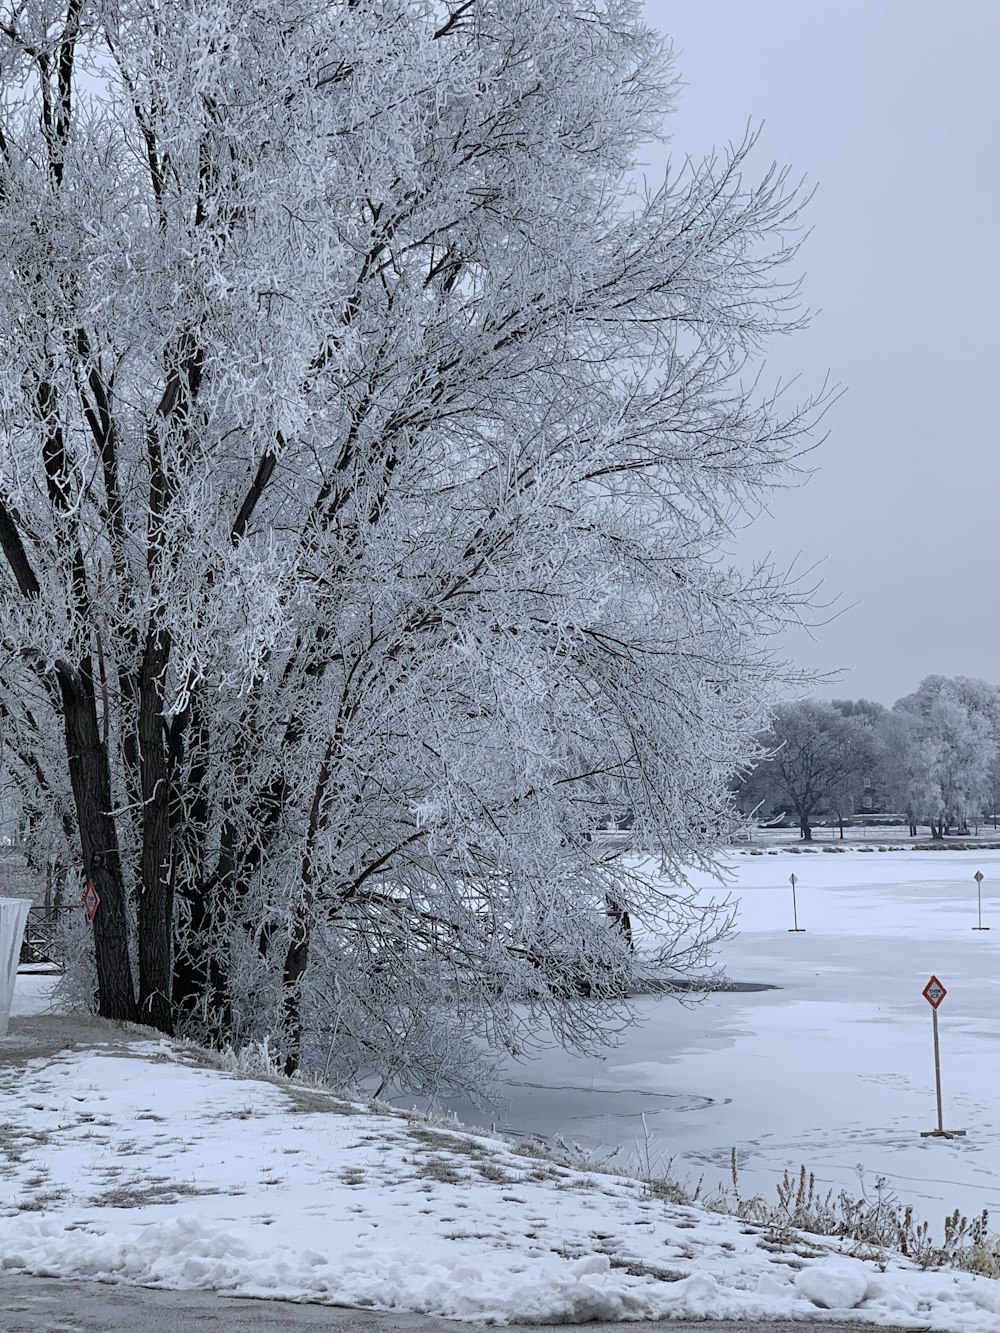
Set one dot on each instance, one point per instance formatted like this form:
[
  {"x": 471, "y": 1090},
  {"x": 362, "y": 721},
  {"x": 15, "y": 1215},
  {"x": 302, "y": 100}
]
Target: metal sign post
[
  {"x": 934, "y": 992},
  {"x": 796, "y": 929},
  {"x": 979, "y": 877}
]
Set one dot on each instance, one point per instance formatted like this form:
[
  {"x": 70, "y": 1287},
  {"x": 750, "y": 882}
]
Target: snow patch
[{"x": 833, "y": 1286}]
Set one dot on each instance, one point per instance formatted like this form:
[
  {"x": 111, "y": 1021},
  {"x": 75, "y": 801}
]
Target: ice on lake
[{"x": 833, "y": 1070}]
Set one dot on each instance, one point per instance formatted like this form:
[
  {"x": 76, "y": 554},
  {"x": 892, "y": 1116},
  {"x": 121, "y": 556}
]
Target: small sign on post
[
  {"x": 934, "y": 992},
  {"x": 796, "y": 929},
  {"x": 979, "y": 877}
]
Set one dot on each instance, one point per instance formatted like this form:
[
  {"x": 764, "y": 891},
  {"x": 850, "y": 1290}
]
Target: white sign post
[
  {"x": 13, "y": 919},
  {"x": 796, "y": 929},
  {"x": 979, "y": 877}
]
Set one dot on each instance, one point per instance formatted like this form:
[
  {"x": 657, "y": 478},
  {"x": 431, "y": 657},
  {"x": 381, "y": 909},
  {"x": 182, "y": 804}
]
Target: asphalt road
[{"x": 50, "y": 1305}]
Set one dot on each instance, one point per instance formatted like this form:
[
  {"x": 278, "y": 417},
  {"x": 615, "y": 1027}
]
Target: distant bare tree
[{"x": 819, "y": 759}]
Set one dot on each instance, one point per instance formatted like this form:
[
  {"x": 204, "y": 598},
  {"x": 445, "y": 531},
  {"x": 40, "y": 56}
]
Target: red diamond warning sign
[
  {"x": 934, "y": 992},
  {"x": 91, "y": 900}
]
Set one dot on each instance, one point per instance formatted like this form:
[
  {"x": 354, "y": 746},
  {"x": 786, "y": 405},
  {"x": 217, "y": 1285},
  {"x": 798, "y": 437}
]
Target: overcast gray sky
[{"x": 891, "y": 108}]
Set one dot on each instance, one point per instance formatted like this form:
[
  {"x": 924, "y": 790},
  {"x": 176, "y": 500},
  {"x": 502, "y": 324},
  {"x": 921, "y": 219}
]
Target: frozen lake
[{"x": 835, "y": 1069}]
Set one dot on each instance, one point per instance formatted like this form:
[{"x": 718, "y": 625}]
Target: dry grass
[
  {"x": 142, "y": 1191},
  {"x": 496, "y": 1175},
  {"x": 874, "y": 1222},
  {"x": 441, "y": 1169},
  {"x": 41, "y": 1202}
]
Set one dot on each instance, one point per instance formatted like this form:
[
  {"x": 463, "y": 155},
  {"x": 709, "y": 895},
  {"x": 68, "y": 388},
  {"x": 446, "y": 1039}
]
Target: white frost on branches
[{"x": 368, "y": 443}]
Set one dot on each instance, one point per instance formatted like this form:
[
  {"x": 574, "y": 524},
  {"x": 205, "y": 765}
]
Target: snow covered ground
[
  {"x": 833, "y": 1070},
  {"x": 137, "y": 1161},
  {"x": 133, "y": 1162}
]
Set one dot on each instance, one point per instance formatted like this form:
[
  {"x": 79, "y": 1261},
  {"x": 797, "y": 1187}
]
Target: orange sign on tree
[{"x": 91, "y": 900}]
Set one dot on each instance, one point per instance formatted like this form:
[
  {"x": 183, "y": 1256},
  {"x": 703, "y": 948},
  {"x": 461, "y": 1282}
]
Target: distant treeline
[{"x": 933, "y": 757}]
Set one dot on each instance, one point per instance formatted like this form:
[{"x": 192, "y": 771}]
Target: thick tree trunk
[
  {"x": 156, "y": 907},
  {"x": 56, "y": 878},
  {"x": 805, "y": 829},
  {"x": 841, "y": 823},
  {"x": 190, "y": 981},
  {"x": 198, "y": 972},
  {"x": 296, "y": 961},
  {"x": 621, "y": 920},
  {"x": 91, "y": 781},
  {"x": 297, "y": 957}
]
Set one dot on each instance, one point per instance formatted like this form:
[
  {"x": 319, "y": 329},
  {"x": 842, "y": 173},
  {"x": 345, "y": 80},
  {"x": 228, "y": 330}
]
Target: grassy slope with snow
[{"x": 138, "y": 1161}]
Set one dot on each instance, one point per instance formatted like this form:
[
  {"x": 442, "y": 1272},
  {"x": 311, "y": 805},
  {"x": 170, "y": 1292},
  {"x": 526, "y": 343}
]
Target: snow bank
[{"x": 130, "y": 1165}]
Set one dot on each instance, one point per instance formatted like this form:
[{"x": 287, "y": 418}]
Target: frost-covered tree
[
  {"x": 907, "y": 762},
  {"x": 952, "y": 729},
  {"x": 868, "y": 712},
  {"x": 368, "y": 433},
  {"x": 992, "y": 808},
  {"x": 864, "y": 745}
]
